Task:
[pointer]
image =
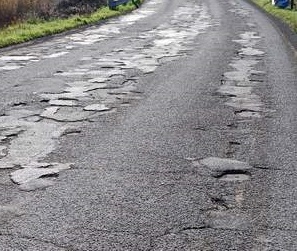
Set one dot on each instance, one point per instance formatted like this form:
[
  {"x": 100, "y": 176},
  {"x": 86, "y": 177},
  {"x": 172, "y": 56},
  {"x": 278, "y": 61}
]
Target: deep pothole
[
  {"x": 226, "y": 169},
  {"x": 233, "y": 175}
]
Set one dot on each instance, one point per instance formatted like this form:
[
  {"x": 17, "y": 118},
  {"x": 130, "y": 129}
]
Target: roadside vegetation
[
  {"x": 287, "y": 15},
  {"x": 24, "y": 20}
]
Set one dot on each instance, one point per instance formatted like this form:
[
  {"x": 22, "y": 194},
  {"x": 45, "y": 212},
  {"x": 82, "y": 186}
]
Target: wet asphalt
[{"x": 170, "y": 128}]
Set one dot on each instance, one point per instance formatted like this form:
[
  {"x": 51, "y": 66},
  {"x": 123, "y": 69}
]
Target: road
[{"x": 170, "y": 128}]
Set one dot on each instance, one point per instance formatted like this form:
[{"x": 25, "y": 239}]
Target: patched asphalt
[{"x": 170, "y": 128}]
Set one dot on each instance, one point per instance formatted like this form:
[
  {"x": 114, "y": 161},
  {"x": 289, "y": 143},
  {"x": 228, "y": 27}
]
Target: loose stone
[
  {"x": 3, "y": 152},
  {"x": 3, "y": 138}
]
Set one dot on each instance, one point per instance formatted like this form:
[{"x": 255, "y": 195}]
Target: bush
[
  {"x": 12, "y": 11},
  {"x": 72, "y": 7}
]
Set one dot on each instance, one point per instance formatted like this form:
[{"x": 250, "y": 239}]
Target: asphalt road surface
[{"x": 170, "y": 128}]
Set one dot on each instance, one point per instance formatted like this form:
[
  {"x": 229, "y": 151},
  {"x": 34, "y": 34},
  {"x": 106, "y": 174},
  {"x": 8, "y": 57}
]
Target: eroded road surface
[{"x": 170, "y": 128}]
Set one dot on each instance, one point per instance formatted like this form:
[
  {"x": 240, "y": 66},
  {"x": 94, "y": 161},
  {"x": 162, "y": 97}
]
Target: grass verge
[
  {"x": 23, "y": 32},
  {"x": 287, "y": 15}
]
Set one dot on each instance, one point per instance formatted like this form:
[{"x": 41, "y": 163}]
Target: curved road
[{"x": 170, "y": 128}]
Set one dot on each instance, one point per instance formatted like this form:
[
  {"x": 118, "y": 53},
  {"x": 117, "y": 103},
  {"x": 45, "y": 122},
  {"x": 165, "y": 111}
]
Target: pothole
[
  {"x": 71, "y": 131},
  {"x": 234, "y": 175},
  {"x": 19, "y": 104},
  {"x": 248, "y": 113},
  {"x": 227, "y": 220},
  {"x": 234, "y": 143},
  {"x": 97, "y": 107},
  {"x": 25, "y": 175},
  {"x": 220, "y": 202},
  {"x": 238, "y": 84},
  {"x": 227, "y": 169}
]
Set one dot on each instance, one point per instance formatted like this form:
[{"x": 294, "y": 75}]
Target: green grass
[
  {"x": 32, "y": 29},
  {"x": 287, "y": 15}
]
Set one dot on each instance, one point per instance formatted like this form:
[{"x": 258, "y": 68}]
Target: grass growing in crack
[
  {"x": 287, "y": 15},
  {"x": 26, "y": 31}
]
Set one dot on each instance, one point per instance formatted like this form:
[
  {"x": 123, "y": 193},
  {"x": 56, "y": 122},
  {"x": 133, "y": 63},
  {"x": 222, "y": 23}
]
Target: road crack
[{"x": 34, "y": 239}]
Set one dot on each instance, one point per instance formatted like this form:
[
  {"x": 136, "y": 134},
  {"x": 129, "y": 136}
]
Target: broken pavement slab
[
  {"x": 66, "y": 114},
  {"x": 230, "y": 90},
  {"x": 35, "y": 184},
  {"x": 97, "y": 107},
  {"x": 26, "y": 175},
  {"x": 223, "y": 167},
  {"x": 49, "y": 111},
  {"x": 61, "y": 102},
  {"x": 249, "y": 51},
  {"x": 11, "y": 131},
  {"x": 7, "y": 165},
  {"x": 18, "y": 58}
]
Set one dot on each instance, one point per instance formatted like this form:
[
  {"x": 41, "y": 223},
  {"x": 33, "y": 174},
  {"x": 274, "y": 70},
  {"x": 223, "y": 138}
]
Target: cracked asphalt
[{"x": 170, "y": 128}]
